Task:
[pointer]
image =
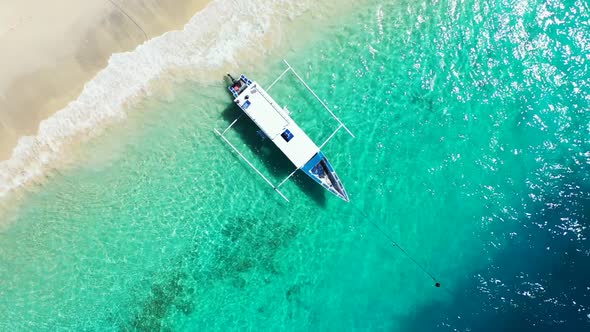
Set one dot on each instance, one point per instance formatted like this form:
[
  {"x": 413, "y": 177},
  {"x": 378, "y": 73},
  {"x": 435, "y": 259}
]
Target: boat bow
[{"x": 321, "y": 171}]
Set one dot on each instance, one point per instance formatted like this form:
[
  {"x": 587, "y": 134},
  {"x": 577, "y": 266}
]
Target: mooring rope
[
  {"x": 129, "y": 17},
  {"x": 395, "y": 244}
]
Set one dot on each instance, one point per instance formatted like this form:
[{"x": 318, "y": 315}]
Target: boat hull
[
  {"x": 321, "y": 171},
  {"x": 278, "y": 126}
]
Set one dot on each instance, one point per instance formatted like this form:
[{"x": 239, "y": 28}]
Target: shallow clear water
[{"x": 472, "y": 152}]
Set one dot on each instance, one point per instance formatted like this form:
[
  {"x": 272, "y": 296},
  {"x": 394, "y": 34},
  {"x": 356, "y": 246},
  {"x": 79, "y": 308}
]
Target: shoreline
[
  {"x": 53, "y": 50},
  {"x": 202, "y": 51}
]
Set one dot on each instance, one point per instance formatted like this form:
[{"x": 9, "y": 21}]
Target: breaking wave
[{"x": 208, "y": 42}]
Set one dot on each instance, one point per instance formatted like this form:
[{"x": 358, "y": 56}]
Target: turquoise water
[{"x": 472, "y": 152}]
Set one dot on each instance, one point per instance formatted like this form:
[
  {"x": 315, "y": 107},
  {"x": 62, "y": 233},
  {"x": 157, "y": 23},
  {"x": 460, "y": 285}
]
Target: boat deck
[{"x": 276, "y": 124}]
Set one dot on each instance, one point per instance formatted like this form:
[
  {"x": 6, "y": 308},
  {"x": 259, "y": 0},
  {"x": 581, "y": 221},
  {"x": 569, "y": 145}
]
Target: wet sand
[{"x": 50, "y": 50}]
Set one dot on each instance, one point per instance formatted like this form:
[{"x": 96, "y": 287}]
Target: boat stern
[{"x": 238, "y": 85}]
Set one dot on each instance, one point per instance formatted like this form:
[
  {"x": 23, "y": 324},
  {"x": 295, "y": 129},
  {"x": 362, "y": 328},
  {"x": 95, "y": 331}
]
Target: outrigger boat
[{"x": 278, "y": 126}]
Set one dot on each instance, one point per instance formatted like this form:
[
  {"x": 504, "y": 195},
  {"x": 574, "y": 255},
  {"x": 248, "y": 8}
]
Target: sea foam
[{"x": 212, "y": 39}]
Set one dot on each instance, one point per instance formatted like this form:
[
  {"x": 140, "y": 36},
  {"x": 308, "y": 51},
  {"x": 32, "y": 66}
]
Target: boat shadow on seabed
[{"x": 274, "y": 160}]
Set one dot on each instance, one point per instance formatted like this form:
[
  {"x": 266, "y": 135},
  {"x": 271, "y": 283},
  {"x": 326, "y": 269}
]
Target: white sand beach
[
  {"x": 50, "y": 49},
  {"x": 71, "y": 70}
]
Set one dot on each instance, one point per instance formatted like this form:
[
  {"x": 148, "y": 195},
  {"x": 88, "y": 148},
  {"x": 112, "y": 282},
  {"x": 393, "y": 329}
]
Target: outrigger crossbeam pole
[
  {"x": 332, "y": 135},
  {"x": 278, "y": 78},
  {"x": 287, "y": 178},
  {"x": 315, "y": 95},
  {"x": 232, "y": 124},
  {"x": 340, "y": 126},
  {"x": 251, "y": 165}
]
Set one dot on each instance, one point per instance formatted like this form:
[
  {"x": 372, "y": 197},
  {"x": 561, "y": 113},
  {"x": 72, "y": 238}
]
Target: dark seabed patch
[
  {"x": 247, "y": 245},
  {"x": 164, "y": 296}
]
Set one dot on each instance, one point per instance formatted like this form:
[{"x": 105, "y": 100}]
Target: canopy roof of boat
[{"x": 277, "y": 125}]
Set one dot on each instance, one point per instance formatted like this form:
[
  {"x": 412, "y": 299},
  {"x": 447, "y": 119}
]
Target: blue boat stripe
[{"x": 313, "y": 161}]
